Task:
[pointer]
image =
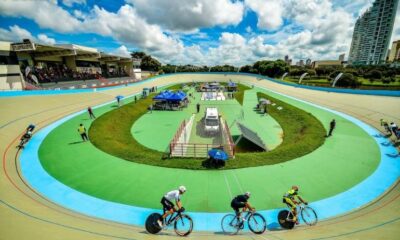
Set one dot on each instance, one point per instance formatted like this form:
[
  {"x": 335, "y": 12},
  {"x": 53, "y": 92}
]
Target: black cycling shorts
[
  {"x": 237, "y": 205},
  {"x": 167, "y": 204}
]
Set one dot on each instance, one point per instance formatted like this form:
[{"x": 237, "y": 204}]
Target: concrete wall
[{"x": 11, "y": 78}]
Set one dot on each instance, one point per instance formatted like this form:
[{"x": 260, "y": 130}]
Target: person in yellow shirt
[
  {"x": 289, "y": 199},
  {"x": 82, "y": 132}
]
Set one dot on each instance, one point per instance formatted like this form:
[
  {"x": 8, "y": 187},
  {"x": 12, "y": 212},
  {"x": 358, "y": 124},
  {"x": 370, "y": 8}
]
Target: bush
[
  {"x": 348, "y": 80},
  {"x": 374, "y": 75}
]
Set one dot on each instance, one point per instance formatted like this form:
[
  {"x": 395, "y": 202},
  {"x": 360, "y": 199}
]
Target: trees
[
  {"x": 148, "y": 63},
  {"x": 271, "y": 68},
  {"x": 348, "y": 80}
]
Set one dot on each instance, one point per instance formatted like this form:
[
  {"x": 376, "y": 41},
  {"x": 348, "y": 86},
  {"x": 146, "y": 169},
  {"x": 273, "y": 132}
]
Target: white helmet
[
  {"x": 247, "y": 194},
  {"x": 182, "y": 189}
]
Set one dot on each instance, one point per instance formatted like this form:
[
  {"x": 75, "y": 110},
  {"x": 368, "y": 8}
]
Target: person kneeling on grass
[{"x": 168, "y": 206}]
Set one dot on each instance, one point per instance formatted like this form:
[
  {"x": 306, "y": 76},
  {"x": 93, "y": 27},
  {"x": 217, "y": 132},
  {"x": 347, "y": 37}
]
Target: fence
[{"x": 179, "y": 146}]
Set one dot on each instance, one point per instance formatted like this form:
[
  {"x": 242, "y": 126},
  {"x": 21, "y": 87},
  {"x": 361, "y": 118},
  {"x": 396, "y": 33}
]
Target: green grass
[
  {"x": 303, "y": 133},
  {"x": 239, "y": 95}
]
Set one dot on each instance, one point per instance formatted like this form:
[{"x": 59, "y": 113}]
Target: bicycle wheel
[
  {"x": 283, "y": 217},
  {"x": 183, "y": 225},
  {"x": 230, "y": 224},
  {"x": 309, "y": 216},
  {"x": 151, "y": 223},
  {"x": 257, "y": 223}
]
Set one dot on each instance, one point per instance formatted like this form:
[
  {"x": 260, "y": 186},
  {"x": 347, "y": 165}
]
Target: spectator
[
  {"x": 90, "y": 111},
  {"x": 385, "y": 124},
  {"x": 265, "y": 109},
  {"x": 135, "y": 99},
  {"x": 331, "y": 127},
  {"x": 198, "y": 107},
  {"x": 394, "y": 128},
  {"x": 82, "y": 132},
  {"x": 150, "y": 108}
]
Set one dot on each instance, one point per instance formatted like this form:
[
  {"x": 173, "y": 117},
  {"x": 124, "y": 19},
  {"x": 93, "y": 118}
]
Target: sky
[{"x": 198, "y": 32}]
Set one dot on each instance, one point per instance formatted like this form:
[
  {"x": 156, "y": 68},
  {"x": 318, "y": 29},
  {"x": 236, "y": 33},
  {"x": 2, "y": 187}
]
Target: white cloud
[
  {"x": 122, "y": 51},
  {"x": 45, "y": 13},
  {"x": 15, "y": 34},
  {"x": 178, "y": 15},
  {"x": 69, "y": 3},
  {"x": 269, "y": 13},
  {"x": 45, "y": 39}
]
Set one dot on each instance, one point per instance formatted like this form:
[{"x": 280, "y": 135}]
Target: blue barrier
[{"x": 389, "y": 93}]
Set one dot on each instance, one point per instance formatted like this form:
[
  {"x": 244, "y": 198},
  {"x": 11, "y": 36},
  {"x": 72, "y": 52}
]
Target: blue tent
[
  {"x": 231, "y": 84},
  {"x": 218, "y": 154},
  {"x": 171, "y": 96},
  {"x": 119, "y": 97},
  {"x": 164, "y": 95}
]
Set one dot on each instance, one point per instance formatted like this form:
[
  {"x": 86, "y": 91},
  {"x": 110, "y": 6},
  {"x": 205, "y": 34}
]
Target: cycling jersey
[
  {"x": 173, "y": 195},
  {"x": 290, "y": 194}
]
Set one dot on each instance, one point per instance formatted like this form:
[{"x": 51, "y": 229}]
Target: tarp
[
  {"x": 218, "y": 154},
  {"x": 231, "y": 84},
  {"x": 171, "y": 96}
]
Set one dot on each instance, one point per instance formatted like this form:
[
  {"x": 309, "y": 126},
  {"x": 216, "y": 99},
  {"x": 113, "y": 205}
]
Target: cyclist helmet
[
  {"x": 296, "y": 188},
  {"x": 182, "y": 189},
  {"x": 247, "y": 194}
]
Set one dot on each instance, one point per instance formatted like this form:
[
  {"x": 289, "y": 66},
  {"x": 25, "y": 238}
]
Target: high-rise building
[
  {"x": 395, "y": 52},
  {"x": 308, "y": 62},
  {"x": 341, "y": 57},
  {"x": 372, "y": 33}
]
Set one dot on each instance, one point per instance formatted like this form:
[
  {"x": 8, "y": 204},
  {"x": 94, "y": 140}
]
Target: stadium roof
[{"x": 81, "y": 52}]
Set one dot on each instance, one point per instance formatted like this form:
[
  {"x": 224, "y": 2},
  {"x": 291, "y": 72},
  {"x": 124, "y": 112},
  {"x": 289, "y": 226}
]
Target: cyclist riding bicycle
[
  {"x": 241, "y": 201},
  {"x": 168, "y": 206},
  {"x": 30, "y": 128},
  {"x": 289, "y": 199}
]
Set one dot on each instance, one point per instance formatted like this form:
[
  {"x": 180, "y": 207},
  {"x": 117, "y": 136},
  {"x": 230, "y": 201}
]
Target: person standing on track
[
  {"x": 332, "y": 126},
  {"x": 168, "y": 206},
  {"x": 90, "y": 111},
  {"x": 82, "y": 132}
]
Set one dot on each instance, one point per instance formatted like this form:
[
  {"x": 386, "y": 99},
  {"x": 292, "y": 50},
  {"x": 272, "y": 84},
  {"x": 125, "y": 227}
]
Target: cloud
[
  {"x": 269, "y": 13},
  {"x": 178, "y": 15},
  {"x": 15, "y": 34},
  {"x": 45, "y": 13},
  {"x": 70, "y": 3},
  {"x": 45, "y": 39},
  {"x": 122, "y": 51}
]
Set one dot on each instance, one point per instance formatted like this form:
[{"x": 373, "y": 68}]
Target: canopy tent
[
  {"x": 232, "y": 87},
  {"x": 168, "y": 100},
  {"x": 170, "y": 96}
]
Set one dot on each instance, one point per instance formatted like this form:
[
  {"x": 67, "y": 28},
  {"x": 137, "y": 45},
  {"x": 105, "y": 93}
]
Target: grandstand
[{"x": 28, "y": 65}]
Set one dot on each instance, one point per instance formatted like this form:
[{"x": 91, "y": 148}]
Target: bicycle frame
[{"x": 172, "y": 217}]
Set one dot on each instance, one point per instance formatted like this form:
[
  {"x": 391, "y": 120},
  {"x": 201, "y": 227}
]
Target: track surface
[{"x": 26, "y": 215}]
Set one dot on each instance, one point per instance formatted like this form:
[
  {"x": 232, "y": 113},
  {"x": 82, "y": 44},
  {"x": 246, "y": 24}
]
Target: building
[
  {"x": 27, "y": 63},
  {"x": 308, "y": 62},
  {"x": 394, "y": 54},
  {"x": 288, "y": 61},
  {"x": 327, "y": 63},
  {"x": 341, "y": 57},
  {"x": 372, "y": 33}
]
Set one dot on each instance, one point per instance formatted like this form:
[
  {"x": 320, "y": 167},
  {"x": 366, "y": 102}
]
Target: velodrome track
[{"x": 26, "y": 215}]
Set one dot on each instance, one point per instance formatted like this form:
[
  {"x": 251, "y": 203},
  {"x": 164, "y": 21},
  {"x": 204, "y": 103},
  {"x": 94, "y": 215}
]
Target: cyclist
[
  {"x": 30, "y": 128},
  {"x": 25, "y": 138},
  {"x": 168, "y": 206},
  {"x": 241, "y": 201},
  {"x": 289, "y": 199}
]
